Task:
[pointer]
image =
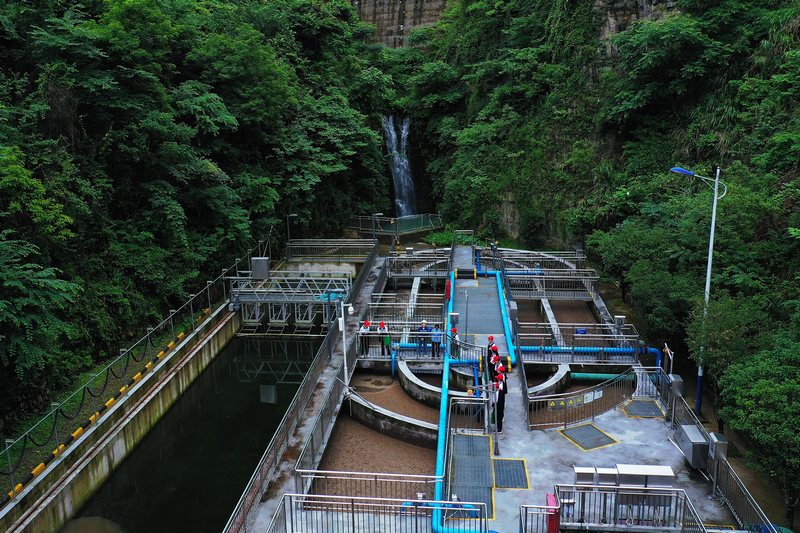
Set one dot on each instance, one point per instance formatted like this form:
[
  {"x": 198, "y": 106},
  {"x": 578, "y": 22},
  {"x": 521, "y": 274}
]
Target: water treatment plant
[{"x": 265, "y": 405}]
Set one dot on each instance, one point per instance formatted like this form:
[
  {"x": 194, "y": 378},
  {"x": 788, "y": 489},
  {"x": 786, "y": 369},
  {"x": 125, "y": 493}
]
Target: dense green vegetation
[
  {"x": 143, "y": 143},
  {"x": 521, "y": 105}
]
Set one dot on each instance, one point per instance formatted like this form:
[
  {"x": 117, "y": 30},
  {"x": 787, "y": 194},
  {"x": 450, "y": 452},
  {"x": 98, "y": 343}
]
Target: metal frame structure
[
  {"x": 560, "y": 284},
  {"x": 330, "y": 250},
  {"x": 424, "y": 266},
  {"x": 397, "y": 225},
  {"x": 261, "y": 359}
]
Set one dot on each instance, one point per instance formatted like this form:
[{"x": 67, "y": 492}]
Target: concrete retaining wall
[
  {"x": 421, "y": 391},
  {"x": 390, "y": 423},
  {"x": 45, "y": 507},
  {"x": 558, "y": 381}
]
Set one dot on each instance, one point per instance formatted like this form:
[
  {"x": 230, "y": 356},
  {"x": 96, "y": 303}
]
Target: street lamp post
[
  {"x": 716, "y": 184},
  {"x": 343, "y": 327},
  {"x": 373, "y": 224}
]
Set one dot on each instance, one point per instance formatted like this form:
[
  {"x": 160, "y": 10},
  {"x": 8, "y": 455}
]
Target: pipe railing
[
  {"x": 656, "y": 509},
  {"x": 380, "y": 485},
  {"x": 418, "y": 266},
  {"x": 539, "y": 518},
  {"x": 329, "y": 250},
  {"x": 23, "y": 461},
  {"x": 346, "y": 514}
]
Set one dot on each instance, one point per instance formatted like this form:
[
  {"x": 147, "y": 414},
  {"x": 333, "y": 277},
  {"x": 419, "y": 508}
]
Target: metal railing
[
  {"x": 404, "y": 314},
  {"x": 380, "y": 485},
  {"x": 564, "y": 284},
  {"x": 369, "y": 261},
  {"x": 329, "y": 250},
  {"x": 573, "y": 334},
  {"x": 25, "y": 458},
  {"x": 563, "y": 409},
  {"x": 642, "y": 509},
  {"x": 403, "y": 298},
  {"x": 727, "y": 484},
  {"x": 730, "y": 488},
  {"x": 343, "y": 514},
  {"x": 315, "y": 442},
  {"x": 539, "y": 518},
  {"x": 424, "y": 266},
  {"x": 464, "y": 416},
  {"x": 571, "y": 259},
  {"x": 397, "y": 225}
]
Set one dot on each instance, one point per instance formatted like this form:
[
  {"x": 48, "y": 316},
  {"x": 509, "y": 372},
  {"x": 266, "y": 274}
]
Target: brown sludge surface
[
  {"x": 356, "y": 448},
  {"x": 387, "y": 393},
  {"x": 572, "y": 312}
]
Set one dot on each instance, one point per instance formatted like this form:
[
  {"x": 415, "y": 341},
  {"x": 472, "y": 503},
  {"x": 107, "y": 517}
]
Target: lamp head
[
  {"x": 351, "y": 309},
  {"x": 291, "y": 215},
  {"x": 378, "y": 215},
  {"x": 679, "y": 170}
]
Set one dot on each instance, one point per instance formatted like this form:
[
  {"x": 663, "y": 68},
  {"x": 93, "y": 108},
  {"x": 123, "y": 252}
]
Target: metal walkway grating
[
  {"x": 471, "y": 445},
  {"x": 472, "y": 494},
  {"x": 643, "y": 409},
  {"x": 510, "y": 474},
  {"x": 587, "y": 437},
  {"x": 474, "y": 470}
]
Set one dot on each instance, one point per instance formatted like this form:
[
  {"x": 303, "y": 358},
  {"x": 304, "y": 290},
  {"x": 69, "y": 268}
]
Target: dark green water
[{"x": 187, "y": 474}]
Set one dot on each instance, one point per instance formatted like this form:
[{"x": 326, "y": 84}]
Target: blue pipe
[
  {"x": 512, "y": 351},
  {"x": 576, "y": 349},
  {"x": 657, "y": 353},
  {"x": 394, "y": 363},
  {"x": 437, "y": 518},
  {"x": 590, "y": 349},
  {"x": 477, "y": 379},
  {"x": 524, "y": 272}
]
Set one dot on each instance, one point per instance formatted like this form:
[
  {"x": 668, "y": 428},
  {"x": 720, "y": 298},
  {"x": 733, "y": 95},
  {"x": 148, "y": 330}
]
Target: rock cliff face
[
  {"x": 617, "y": 15},
  {"x": 393, "y": 19}
]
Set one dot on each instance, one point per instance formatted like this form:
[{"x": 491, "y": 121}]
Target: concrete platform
[{"x": 550, "y": 458}]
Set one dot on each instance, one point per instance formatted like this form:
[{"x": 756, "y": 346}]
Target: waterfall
[{"x": 404, "y": 194}]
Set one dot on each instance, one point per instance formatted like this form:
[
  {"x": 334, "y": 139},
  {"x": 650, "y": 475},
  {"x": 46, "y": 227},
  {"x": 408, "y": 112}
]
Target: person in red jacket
[{"x": 500, "y": 406}]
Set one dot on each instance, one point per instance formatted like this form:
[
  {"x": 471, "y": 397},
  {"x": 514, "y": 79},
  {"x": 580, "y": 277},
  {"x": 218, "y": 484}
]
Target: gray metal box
[
  {"x": 718, "y": 447},
  {"x": 693, "y": 445},
  {"x": 606, "y": 476},
  {"x": 260, "y": 266},
  {"x": 676, "y": 383},
  {"x": 584, "y": 475}
]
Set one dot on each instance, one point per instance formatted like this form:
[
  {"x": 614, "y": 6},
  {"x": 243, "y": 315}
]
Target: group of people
[
  {"x": 384, "y": 339},
  {"x": 428, "y": 338},
  {"x": 497, "y": 375},
  {"x": 434, "y": 334}
]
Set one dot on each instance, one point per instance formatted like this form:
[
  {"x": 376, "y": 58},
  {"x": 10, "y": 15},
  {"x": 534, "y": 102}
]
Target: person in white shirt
[{"x": 363, "y": 337}]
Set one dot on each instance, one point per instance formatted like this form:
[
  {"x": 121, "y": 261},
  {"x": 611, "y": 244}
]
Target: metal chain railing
[{"x": 25, "y": 458}]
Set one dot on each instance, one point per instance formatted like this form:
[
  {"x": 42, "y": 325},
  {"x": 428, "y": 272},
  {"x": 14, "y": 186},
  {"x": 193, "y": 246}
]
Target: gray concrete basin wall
[
  {"x": 421, "y": 391},
  {"x": 393, "y": 424}
]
